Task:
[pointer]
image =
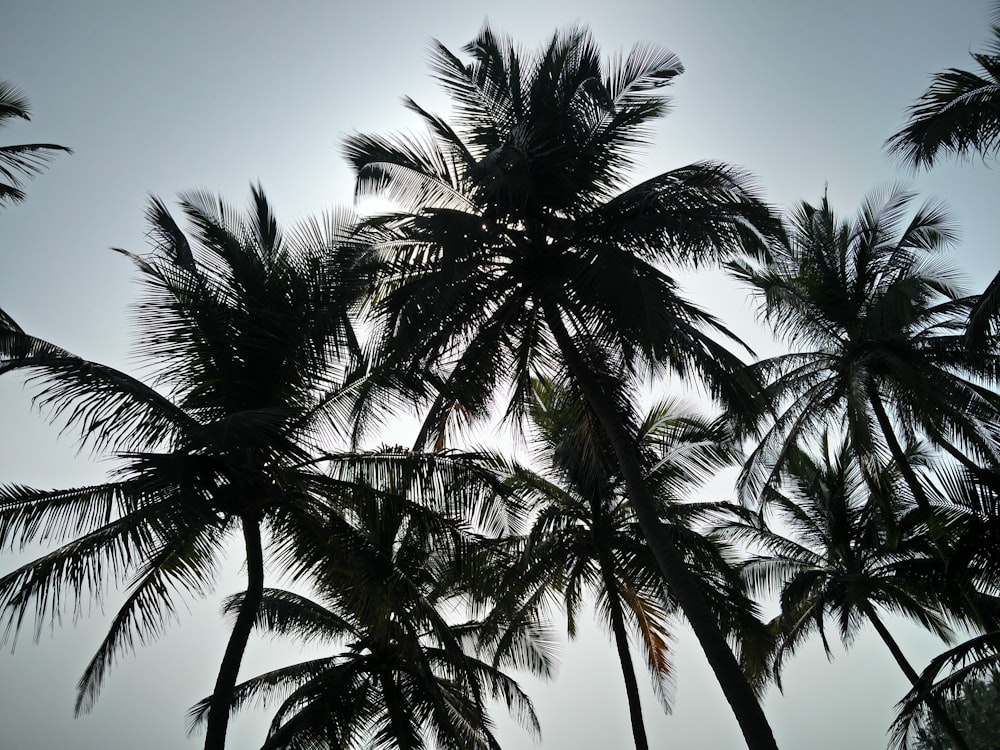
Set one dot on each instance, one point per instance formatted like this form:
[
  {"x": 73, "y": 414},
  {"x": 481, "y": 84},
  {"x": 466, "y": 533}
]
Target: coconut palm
[
  {"x": 844, "y": 554},
  {"x": 875, "y": 321},
  {"x": 975, "y": 711},
  {"x": 585, "y": 542},
  {"x": 959, "y": 115},
  {"x": 970, "y": 662},
  {"x": 386, "y": 570},
  {"x": 518, "y": 249},
  {"x": 973, "y": 549},
  {"x": 26, "y": 159},
  {"x": 247, "y": 336}
]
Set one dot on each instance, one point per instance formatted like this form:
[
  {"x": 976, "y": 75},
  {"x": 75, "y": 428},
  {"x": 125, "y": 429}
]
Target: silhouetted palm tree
[
  {"x": 26, "y": 159},
  {"x": 973, "y": 541},
  {"x": 518, "y": 249},
  {"x": 840, "y": 552},
  {"x": 959, "y": 115},
  {"x": 387, "y": 572},
  {"x": 875, "y": 322},
  {"x": 248, "y": 340},
  {"x": 585, "y": 543}
]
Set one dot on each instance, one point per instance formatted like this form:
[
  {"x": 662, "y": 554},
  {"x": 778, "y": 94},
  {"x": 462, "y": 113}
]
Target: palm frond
[
  {"x": 177, "y": 566},
  {"x": 956, "y": 115},
  {"x": 23, "y": 160}
]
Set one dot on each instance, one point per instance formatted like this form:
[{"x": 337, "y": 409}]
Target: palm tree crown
[
  {"x": 387, "y": 569},
  {"x": 518, "y": 250},
  {"x": 876, "y": 320},
  {"x": 585, "y": 540},
  {"x": 247, "y": 335},
  {"x": 838, "y": 551},
  {"x": 515, "y": 221},
  {"x": 960, "y": 115},
  {"x": 842, "y": 550}
]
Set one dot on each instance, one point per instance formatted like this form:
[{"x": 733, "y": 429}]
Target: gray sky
[{"x": 157, "y": 98}]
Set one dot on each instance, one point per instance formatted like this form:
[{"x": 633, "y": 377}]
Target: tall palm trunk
[
  {"x": 225, "y": 684},
  {"x": 735, "y": 686},
  {"x": 911, "y": 674},
  {"x": 621, "y": 643}
]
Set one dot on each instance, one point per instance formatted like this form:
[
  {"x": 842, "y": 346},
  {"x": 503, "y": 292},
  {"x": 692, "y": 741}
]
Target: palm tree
[
  {"x": 26, "y": 159},
  {"x": 876, "y": 321},
  {"x": 518, "y": 250},
  {"x": 959, "y": 115},
  {"x": 247, "y": 334},
  {"x": 585, "y": 540},
  {"x": 975, "y": 710},
  {"x": 386, "y": 570},
  {"x": 974, "y": 560},
  {"x": 846, "y": 554},
  {"x": 971, "y": 661}
]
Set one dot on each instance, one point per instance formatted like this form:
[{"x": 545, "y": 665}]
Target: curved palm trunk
[
  {"x": 222, "y": 696},
  {"x": 911, "y": 674},
  {"x": 624, "y": 656},
  {"x": 753, "y": 723}
]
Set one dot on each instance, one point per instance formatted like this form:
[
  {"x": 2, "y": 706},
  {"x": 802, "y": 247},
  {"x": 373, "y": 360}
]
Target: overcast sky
[{"x": 157, "y": 98}]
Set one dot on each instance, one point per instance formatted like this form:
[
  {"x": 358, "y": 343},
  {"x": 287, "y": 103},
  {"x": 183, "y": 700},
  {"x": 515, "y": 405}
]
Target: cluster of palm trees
[{"x": 521, "y": 276}]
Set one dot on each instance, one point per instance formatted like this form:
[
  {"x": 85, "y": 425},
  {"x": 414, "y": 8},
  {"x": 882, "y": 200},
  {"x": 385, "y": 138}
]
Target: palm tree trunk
[
  {"x": 885, "y": 424},
  {"x": 621, "y": 643},
  {"x": 402, "y": 730},
  {"x": 911, "y": 674},
  {"x": 735, "y": 686},
  {"x": 222, "y": 696}
]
